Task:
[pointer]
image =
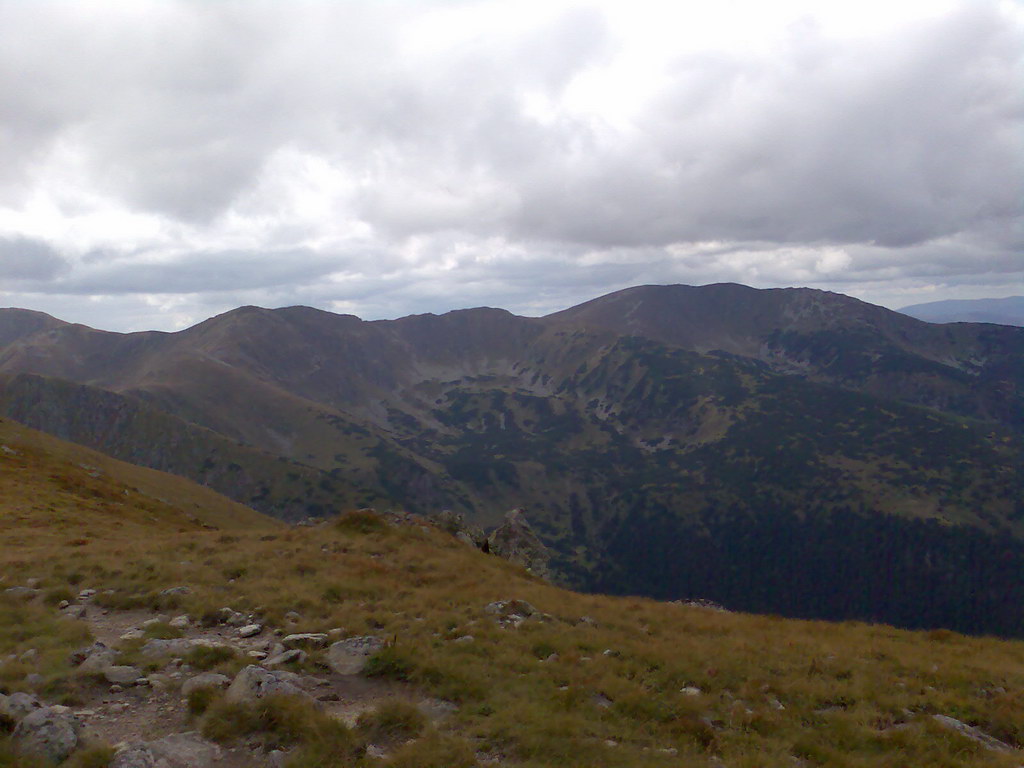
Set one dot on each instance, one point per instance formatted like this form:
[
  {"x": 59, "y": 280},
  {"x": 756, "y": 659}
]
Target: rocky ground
[{"x": 140, "y": 702}]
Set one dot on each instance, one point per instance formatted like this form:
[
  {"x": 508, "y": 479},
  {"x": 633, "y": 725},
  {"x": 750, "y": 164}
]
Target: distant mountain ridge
[
  {"x": 661, "y": 437},
  {"x": 1006, "y": 311}
]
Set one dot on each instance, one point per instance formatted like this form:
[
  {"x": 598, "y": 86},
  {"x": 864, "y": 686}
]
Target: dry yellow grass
[{"x": 614, "y": 690}]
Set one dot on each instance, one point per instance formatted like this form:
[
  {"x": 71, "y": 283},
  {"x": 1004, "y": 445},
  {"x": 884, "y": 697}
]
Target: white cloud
[{"x": 180, "y": 157}]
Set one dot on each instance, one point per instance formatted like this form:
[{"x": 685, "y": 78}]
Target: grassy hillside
[
  {"x": 586, "y": 681},
  {"x": 51, "y": 489}
]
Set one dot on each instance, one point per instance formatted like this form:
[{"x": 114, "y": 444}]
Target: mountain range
[
  {"x": 1008, "y": 311},
  {"x": 787, "y": 451}
]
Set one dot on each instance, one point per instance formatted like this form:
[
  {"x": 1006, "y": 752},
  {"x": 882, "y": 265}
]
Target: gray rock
[
  {"x": 179, "y": 750},
  {"x": 30, "y": 656},
  {"x": 76, "y": 612},
  {"x": 176, "y": 647},
  {"x": 18, "y": 705},
  {"x": 122, "y": 675},
  {"x": 510, "y": 612},
  {"x": 231, "y": 617},
  {"x": 972, "y": 733},
  {"x": 135, "y": 756},
  {"x": 204, "y": 680},
  {"x": 21, "y": 593},
  {"x": 250, "y": 630},
  {"x": 34, "y": 680},
  {"x": 515, "y": 540},
  {"x": 305, "y": 640},
  {"x": 93, "y": 658},
  {"x": 182, "y": 590},
  {"x": 85, "y": 594},
  {"x": 254, "y": 683},
  {"x": 62, "y": 605},
  {"x": 47, "y": 734},
  {"x": 350, "y": 657},
  {"x": 295, "y": 654},
  {"x": 181, "y": 622}
]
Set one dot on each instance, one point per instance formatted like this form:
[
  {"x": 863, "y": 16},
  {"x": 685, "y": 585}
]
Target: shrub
[{"x": 207, "y": 657}]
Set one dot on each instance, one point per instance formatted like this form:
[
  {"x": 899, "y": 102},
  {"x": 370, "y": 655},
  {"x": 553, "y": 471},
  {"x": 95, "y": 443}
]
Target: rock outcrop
[{"x": 515, "y": 540}]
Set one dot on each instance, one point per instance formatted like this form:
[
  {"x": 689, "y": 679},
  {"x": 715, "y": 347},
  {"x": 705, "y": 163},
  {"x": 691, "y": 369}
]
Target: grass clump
[
  {"x": 278, "y": 722},
  {"x": 392, "y": 663},
  {"x": 207, "y": 658},
  {"x": 361, "y": 521},
  {"x": 162, "y": 631},
  {"x": 201, "y": 699},
  {"x": 391, "y": 722}
]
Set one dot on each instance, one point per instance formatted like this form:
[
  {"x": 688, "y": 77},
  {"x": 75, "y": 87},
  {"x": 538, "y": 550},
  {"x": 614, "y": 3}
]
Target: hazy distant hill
[
  {"x": 792, "y": 451},
  {"x": 1008, "y": 311}
]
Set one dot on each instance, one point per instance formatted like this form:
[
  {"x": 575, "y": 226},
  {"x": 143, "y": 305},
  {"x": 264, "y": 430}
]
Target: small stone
[
  {"x": 34, "y": 680},
  {"x": 250, "y": 630},
  {"x": 181, "y": 622},
  {"x": 153, "y": 622},
  {"x": 85, "y": 594},
  {"x": 122, "y": 675},
  {"x": 182, "y": 590},
  {"x": 133, "y": 634},
  {"x": 76, "y": 612},
  {"x": 293, "y": 617},
  {"x": 29, "y": 657},
  {"x": 62, "y": 605},
  {"x": 258, "y": 655},
  {"x": 115, "y": 688},
  {"x": 32, "y": 583},
  {"x": 690, "y": 690},
  {"x": 294, "y": 654},
  {"x": 464, "y": 640}
]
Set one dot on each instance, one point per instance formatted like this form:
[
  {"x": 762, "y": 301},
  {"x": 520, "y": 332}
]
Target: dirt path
[{"x": 146, "y": 713}]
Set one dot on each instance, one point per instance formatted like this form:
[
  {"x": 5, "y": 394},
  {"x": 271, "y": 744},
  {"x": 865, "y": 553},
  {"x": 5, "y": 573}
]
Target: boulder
[
  {"x": 47, "y": 734},
  {"x": 515, "y": 540},
  {"x": 204, "y": 680},
  {"x": 350, "y": 657},
  {"x": 974, "y": 734},
  {"x": 179, "y": 750},
  {"x": 254, "y": 683},
  {"x": 18, "y": 705}
]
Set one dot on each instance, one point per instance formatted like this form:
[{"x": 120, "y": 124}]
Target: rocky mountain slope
[
  {"x": 133, "y": 633},
  {"x": 719, "y": 442}
]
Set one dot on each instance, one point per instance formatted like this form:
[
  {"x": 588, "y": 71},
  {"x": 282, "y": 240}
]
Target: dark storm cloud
[{"x": 23, "y": 259}]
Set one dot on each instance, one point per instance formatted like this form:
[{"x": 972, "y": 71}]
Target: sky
[{"x": 162, "y": 161}]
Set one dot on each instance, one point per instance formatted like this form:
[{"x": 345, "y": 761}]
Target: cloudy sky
[{"x": 166, "y": 160}]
